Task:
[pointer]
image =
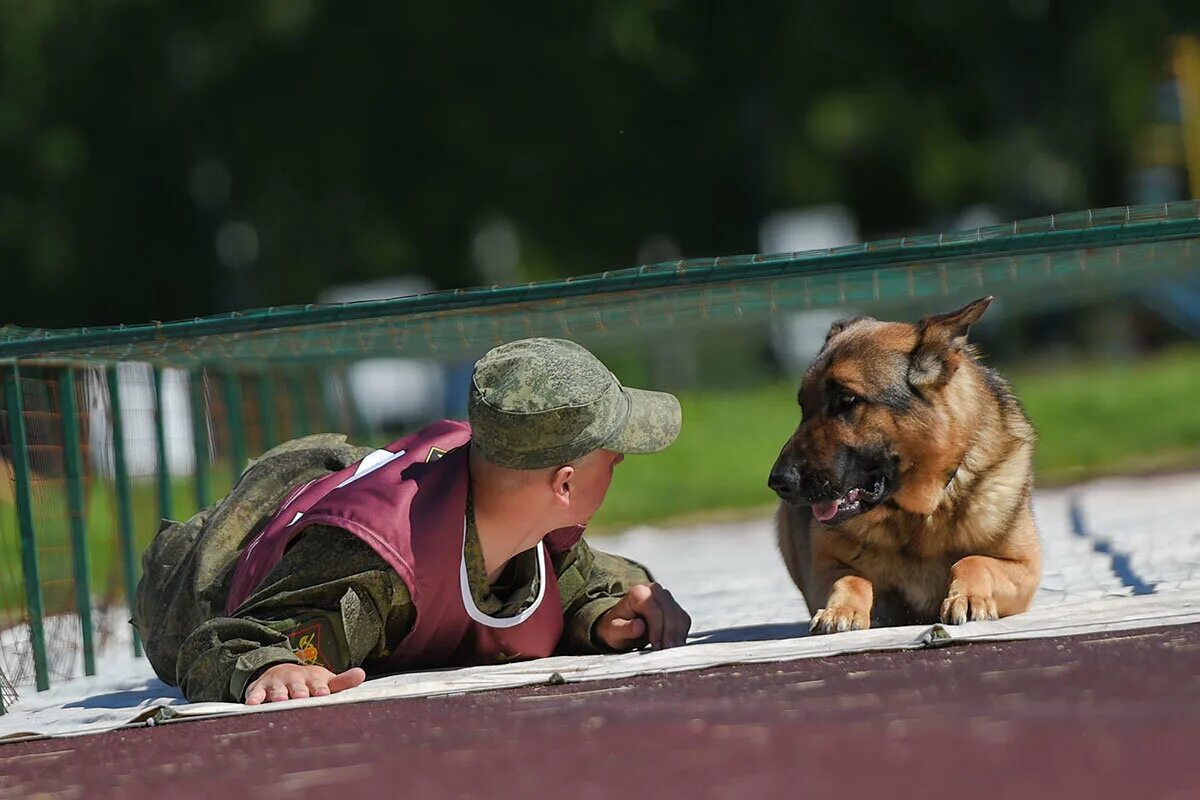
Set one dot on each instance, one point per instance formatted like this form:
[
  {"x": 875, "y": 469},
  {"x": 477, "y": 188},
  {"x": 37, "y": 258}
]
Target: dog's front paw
[
  {"x": 959, "y": 608},
  {"x": 836, "y": 619}
]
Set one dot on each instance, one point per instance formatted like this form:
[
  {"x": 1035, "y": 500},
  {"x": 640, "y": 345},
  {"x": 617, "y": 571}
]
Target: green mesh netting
[{"x": 1086, "y": 251}]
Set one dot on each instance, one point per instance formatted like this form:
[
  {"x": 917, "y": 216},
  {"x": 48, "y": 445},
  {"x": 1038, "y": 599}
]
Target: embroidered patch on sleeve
[{"x": 306, "y": 644}]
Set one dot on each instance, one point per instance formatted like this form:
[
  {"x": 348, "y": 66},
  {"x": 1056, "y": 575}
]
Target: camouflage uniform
[{"x": 332, "y": 600}]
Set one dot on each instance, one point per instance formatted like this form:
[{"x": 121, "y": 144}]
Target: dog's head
[{"x": 878, "y": 428}]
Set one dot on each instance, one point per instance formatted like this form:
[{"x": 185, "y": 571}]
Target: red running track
[{"x": 1087, "y": 717}]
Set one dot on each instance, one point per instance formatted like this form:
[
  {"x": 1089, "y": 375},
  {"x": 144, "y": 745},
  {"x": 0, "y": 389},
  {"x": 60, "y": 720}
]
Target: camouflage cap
[{"x": 538, "y": 403}]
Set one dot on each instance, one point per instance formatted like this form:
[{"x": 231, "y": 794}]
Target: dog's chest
[{"x": 902, "y": 561}]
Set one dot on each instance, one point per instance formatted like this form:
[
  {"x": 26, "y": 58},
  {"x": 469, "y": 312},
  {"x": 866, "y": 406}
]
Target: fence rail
[{"x": 1107, "y": 248}]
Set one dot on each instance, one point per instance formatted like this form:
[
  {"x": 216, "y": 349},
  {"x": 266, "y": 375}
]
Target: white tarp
[{"x": 1128, "y": 557}]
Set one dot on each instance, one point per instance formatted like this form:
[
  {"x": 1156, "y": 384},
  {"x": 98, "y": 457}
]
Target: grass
[
  {"x": 1094, "y": 419},
  {"x": 1116, "y": 418},
  {"x": 104, "y": 557}
]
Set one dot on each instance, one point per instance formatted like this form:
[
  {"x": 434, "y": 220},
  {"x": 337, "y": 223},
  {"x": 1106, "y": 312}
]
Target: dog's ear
[
  {"x": 842, "y": 324},
  {"x": 941, "y": 339},
  {"x": 952, "y": 327}
]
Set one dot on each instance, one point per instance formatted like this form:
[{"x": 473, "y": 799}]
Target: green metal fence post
[
  {"x": 199, "y": 436},
  {"x": 266, "y": 411},
  {"x": 237, "y": 425},
  {"x": 165, "y": 504},
  {"x": 29, "y": 563},
  {"x": 78, "y": 516},
  {"x": 124, "y": 501},
  {"x": 326, "y": 384},
  {"x": 302, "y": 424},
  {"x": 360, "y": 431}
]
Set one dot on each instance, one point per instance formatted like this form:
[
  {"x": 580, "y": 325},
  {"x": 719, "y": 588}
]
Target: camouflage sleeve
[
  {"x": 591, "y": 582},
  {"x": 331, "y": 601}
]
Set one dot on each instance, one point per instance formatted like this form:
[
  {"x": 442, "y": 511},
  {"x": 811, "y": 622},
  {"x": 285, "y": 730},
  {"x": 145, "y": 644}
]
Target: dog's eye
[{"x": 843, "y": 401}]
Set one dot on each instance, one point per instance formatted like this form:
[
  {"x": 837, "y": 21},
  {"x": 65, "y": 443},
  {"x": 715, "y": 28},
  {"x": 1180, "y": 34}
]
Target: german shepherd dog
[{"x": 906, "y": 488}]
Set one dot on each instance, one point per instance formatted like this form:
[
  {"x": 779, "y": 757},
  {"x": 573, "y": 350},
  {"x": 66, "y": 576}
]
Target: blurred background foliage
[{"x": 162, "y": 159}]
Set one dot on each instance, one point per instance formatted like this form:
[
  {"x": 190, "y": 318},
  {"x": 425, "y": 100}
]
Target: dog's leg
[
  {"x": 982, "y": 587},
  {"x": 848, "y": 601},
  {"x": 999, "y": 585}
]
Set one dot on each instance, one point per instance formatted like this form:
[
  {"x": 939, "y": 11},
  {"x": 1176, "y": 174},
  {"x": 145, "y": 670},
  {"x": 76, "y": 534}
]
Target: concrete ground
[{"x": 1087, "y": 717}]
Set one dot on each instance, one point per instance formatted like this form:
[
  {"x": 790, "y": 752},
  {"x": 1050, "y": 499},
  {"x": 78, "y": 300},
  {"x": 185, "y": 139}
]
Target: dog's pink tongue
[{"x": 826, "y": 511}]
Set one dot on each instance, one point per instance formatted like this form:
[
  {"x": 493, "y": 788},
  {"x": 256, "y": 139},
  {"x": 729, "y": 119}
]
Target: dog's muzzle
[{"x": 784, "y": 481}]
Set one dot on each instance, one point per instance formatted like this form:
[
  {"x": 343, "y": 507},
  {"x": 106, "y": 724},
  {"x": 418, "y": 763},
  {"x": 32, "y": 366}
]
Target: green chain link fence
[{"x": 77, "y": 507}]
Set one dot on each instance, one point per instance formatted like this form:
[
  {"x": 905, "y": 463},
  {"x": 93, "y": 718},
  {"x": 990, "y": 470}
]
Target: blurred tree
[{"x": 164, "y": 159}]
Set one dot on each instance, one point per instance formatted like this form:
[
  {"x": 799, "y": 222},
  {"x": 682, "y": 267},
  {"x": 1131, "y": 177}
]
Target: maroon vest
[{"x": 408, "y": 502}]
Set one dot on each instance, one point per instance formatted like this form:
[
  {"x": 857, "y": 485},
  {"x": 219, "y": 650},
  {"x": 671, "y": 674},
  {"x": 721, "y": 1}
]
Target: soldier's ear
[
  {"x": 560, "y": 483},
  {"x": 843, "y": 324},
  {"x": 941, "y": 339}
]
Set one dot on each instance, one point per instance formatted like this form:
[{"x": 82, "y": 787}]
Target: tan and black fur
[{"x": 928, "y": 456}]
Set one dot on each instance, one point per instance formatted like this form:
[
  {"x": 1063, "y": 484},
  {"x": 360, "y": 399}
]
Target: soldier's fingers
[
  {"x": 631, "y": 604},
  {"x": 686, "y": 628},
  {"x": 682, "y": 626},
  {"x": 298, "y": 689},
  {"x": 318, "y": 687},
  {"x": 628, "y": 628},
  {"x": 619, "y": 633},
  {"x": 671, "y": 620},
  {"x": 255, "y": 694},
  {"x": 347, "y": 680},
  {"x": 276, "y": 692},
  {"x": 652, "y": 612},
  {"x": 677, "y": 624}
]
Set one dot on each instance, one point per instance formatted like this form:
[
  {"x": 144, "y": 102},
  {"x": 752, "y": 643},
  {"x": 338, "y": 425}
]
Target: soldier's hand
[
  {"x": 647, "y": 614},
  {"x": 289, "y": 681}
]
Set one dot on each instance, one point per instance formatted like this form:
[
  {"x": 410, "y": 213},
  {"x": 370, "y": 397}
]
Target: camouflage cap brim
[{"x": 654, "y": 422}]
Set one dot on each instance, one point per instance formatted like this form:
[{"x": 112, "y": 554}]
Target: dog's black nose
[{"x": 784, "y": 482}]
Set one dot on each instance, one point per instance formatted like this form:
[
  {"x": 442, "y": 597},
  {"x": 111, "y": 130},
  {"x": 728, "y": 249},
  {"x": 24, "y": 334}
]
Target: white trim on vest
[
  {"x": 499, "y": 622},
  {"x": 373, "y": 461}
]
